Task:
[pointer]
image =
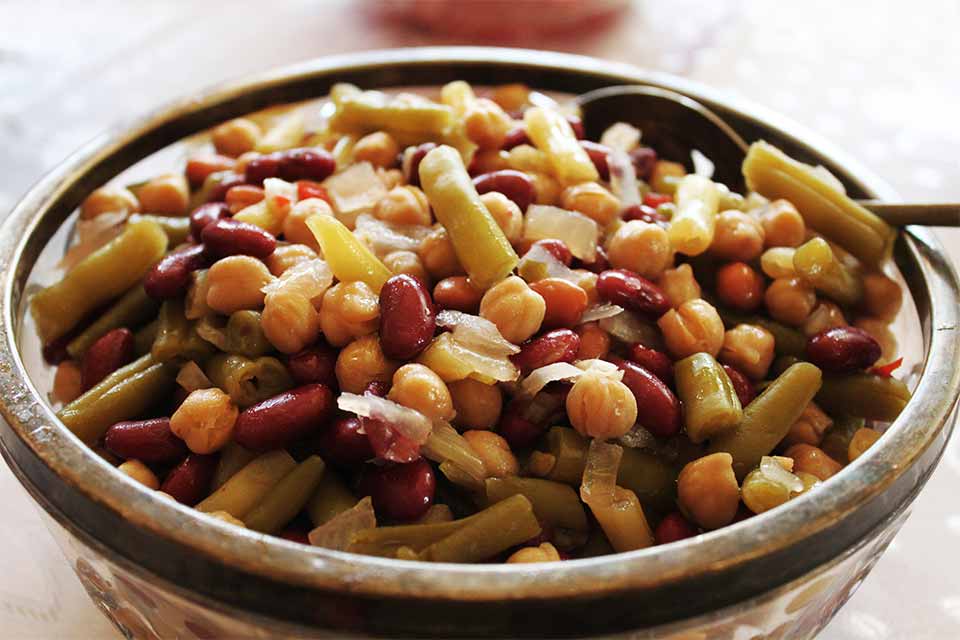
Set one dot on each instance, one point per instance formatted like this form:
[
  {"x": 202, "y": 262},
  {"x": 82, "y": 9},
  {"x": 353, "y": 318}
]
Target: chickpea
[
  {"x": 810, "y": 459},
  {"x": 288, "y": 255},
  {"x": 515, "y": 308},
  {"x": 235, "y": 283},
  {"x": 495, "y": 453},
  {"x": 663, "y": 172},
  {"x": 594, "y": 341},
  {"x": 862, "y": 440},
  {"x": 527, "y": 158},
  {"x": 417, "y": 387},
  {"x": 486, "y": 124},
  {"x": 546, "y": 552},
  {"x": 141, "y": 473},
  {"x": 289, "y": 321},
  {"x": 205, "y": 420},
  {"x": 694, "y": 327},
  {"x": 439, "y": 257},
  {"x": 236, "y": 137},
  {"x": 564, "y": 301},
  {"x": 882, "y": 296},
  {"x": 378, "y": 148},
  {"x": 679, "y": 285},
  {"x": 391, "y": 178},
  {"x": 825, "y": 315},
  {"x": 738, "y": 236},
  {"x": 641, "y": 247},
  {"x": 512, "y": 97},
  {"x": 241, "y": 196},
  {"x": 809, "y": 482},
  {"x": 546, "y": 188},
  {"x": 809, "y": 427},
  {"x": 67, "y": 385},
  {"x": 881, "y": 332},
  {"x": 760, "y": 493},
  {"x": 349, "y": 310},
  {"x": 599, "y": 406},
  {"x": 404, "y": 205},
  {"x": 406, "y": 262},
  {"x": 507, "y": 214},
  {"x": 362, "y": 362},
  {"x": 457, "y": 293},
  {"x": 295, "y": 227},
  {"x": 707, "y": 490},
  {"x": 167, "y": 194},
  {"x": 108, "y": 199},
  {"x": 748, "y": 348},
  {"x": 778, "y": 262},
  {"x": 739, "y": 286},
  {"x": 478, "y": 405},
  {"x": 789, "y": 301},
  {"x": 593, "y": 201},
  {"x": 782, "y": 224}
]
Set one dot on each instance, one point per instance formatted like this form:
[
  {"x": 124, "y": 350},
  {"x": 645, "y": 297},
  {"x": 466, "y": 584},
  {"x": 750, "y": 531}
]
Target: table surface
[{"x": 878, "y": 78}]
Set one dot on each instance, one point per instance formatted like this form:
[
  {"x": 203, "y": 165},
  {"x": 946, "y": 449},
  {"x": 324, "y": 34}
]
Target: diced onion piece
[
  {"x": 411, "y": 424},
  {"x": 353, "y": 191},
  {"x": 385, "y": 237},
  {"x": 191, "y": 377},
  {"x": 599, "y": 483},
  {"x": 628, "y": 328},
  {"x": 476, "y": 333},
  {"x": 91, "y": 235},
  {"x": 453, "y": 361},
  {"x": 337, "y": 533},
  {"x": 577, "y": 231},
  {"x": 772, "y": 471},
  {"x": 600, "y": 368},
  {"x": 639, "y": 438},
  {"x": 446, "y": 445},
  {"x": 621, "y": 136},
  {"x": 599, "y": 312},
  {"x": 623, "y": 178},
  {"x": 310, "y": 279},
  {"x": 538, "y": 263},
  {"x": 279, "y": 197},
  {"x": 286, "y": 133},
  {"x": 702, "y": 165},
  {"x": 539, "y": 378},
  {"x": 211, "y": 332}
]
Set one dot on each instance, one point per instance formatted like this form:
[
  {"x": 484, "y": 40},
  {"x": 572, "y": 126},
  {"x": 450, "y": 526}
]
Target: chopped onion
[
  {"x": 211, "y": 332},
  {"x": 623, "y": 178},
  {"x": 621, "y": 136},
  {"x": 539, "y": 378},
  {"x": 384, "y": 237},
  {"x": 702, "y": 165},
  {"x": 91, "y": 235},
  {"x": 772, "y": 471},
  {"x": 284, "y": 133},
  {"x": 629, "y": 328},
  {"x": 576, "y": 230},
  {"x": 600, "y": 368},
  {"x": 310, "y": 278},
  {"x": 337, "y": 533},
  {"x": 410, "y": 424},
  {"x": 353, "y": 191},
  {"x": 191, "y": 377},
  {"x": 538, "y": 263},
  {"x": 454, "y": 361},
  {"x": 446, "y": 445},
  {"x": 599, "y": 312},
  {"x": 599, "y": 483},
  {"x": 476, "y": 333},
  {"x": 639, "y": 438},
  {"x": 279, "y": 197}
]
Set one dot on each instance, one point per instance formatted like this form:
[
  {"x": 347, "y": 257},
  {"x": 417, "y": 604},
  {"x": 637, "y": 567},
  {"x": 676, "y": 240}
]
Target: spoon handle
[{"x": 927, "y": 215}]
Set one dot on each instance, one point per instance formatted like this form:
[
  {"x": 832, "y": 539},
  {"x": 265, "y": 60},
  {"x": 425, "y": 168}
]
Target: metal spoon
[{"x": 675, "y": 124}]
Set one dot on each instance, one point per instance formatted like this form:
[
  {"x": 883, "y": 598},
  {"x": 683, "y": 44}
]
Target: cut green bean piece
[
  {"x": 406, "y": 115},
  {"x": 285, "y": 500},
  {"x": 491, "y": 531},
  {"x": 102, "y": 276},
  {"x": 329, "y": 498},
  {"x": 245, "y": 335},
  {"x": 177, "y": 228},
  {"x": 769, "y": 417},
  {"x": 836, "y": 440},
  {"x": 248, "y": 381},
  {"x": 386, "y": 541},
  {"x": 569, "y": 449},
  {"x": 132, "y": 310},
  {"x": 817, "y": 265},
  {"x": 787, "y": 341},
  {"x": 553, "y": 502},
  {"x": 710, "y": 402},
  {"x": 864, "y": 395},
  {"x": 233, "y": 457},
  {"x": 247, "y": 487},
  {"x": 177, "y": 337},
  {"x": 144, "y": 338}
]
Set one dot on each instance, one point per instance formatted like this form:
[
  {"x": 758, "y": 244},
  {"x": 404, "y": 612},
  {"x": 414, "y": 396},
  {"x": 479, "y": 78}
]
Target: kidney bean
[
  {"x": 516, "y": 185},
  {"x": 291, "y": 165},
  {"x": 458, "y": 294},
  {"x": 378, "y": 388},
  {"x": 314, "y": 364},
  {"x": 523, "y": 421},
  {"x": 219, "y": 192},
  {"x": 201, "y": 166},
  {"x": 519, "y": 432},
  {"x": 560, "y": 345},
  {"x": 515, "y": 137},
  {"x": 644, "y": 159},
  {"x": 149, "y": 441},
  {"x": 557, "y": 248},
  {"x": 656, "y": 362},
  {"x": 170, "y": 277},
  {"x": 411, "y": 162},
  {"x": 407, "y": 317},
  {"x": 111, "y": 351},
  {"x": 344, "y": 442},
  {"x": 565, "y": 302},
  {"x": 577, "y": 125},
  {"x": 189, "y": 482},
  {"x": 741, "y": 384},
  {"x": 843, "y": 349},
  {"x": 206, "y": 214},
  {"x": 632, "y": 291},
  {"x": 228, "y": 237},
  {"x": 646, "y": 214},
  {"x": 401, "y": 492},
  {"x": 598, "y": 156},
  {"x": 599, "y": 264},
  {"x": 241, "y": 196},
  {"x": 674, "y": 527},
  {"x": 286, "y": 417},
  {"x": 657, "y": 406}
]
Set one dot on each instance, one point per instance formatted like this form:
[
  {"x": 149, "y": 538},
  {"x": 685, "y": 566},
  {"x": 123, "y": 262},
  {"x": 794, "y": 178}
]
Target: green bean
[
  {"x": 569, "y": 448},
  {"x": 386, "y": 541},
  {"x": 247, "y": 487},
  {"x": 864, "y": 395},
  {"x": 102, "y": 276},
  {"x": 329, "y": 498},
  {"x": 769, "y": 417},
  {"x": 177, "y": 228},
  {"x": 836, "y": 440},
  {"x": 144, "y": 338},
  {"x": 553, "y": 502},
  {"x": 710, "y": 402},
  {"x": 781, "y": 364},
  {"x": 177, "y": 337},
  {"x": 248, "y": 381},
  {"x": 817, "y": 265},
  {"x": 245, "y": 335},
  {"x": 133, "y": 309},
  {"x": 124, "y": 394},
  {"x": 285, "y": 500},
  {"x": 366, "y": 111},
  {"x": 489, "y": 532},
  {"x": 233, "y": 457},
  {"x": 787, "y": 341}
]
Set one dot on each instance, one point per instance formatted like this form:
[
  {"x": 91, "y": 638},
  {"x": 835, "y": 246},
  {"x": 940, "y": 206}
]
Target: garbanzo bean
[
  {"x": 599, "y": 406},
  {"x": 495, "y": 453},
  {"x": 707, "y": 490},
  {"x": 809, "y": 427},
  {"x": 236, "y": 137},
  {"x": 789, "y": 301},
  {"x": 641, "y": 247},
  {"x": 546, "y": 552},
  {"x": 289, "y": 321},
  {"x": 288, "y": 255},
  {"x": 882, "y": 296},
  {"x": 662, "y": 172},
  {"x": 349, "y": 310},
  {"x": 378, "y": 148},
  {"x": 812, "y": 460},
  {"x": 739, "y": 286},
  {"x": 362, "y": 362},
  {"x": 406, "y": 262},
  {"x": 419, "y": 388},
  {"x": 515, "y": 308},
  {"x": 593, "y": 201},
  {"x": 478, "y": 405},
  {"x": 738, "y": 236},
  {"x": 236, "y": 283},
  {"x": 295, "y": 224},
  {"x": 507, "y": 214},
  {"x": 749, "y": 349},
  {"x": 693, "y": 327},
  {"x": 594, "y": 341},
  {"x": 108, "y": 199},
  {"x": 205, "y": 420},
  {"x": 486, "y": 124},
  {"x": 439, "y": 257},
  {"x": 825, "y": 316},
  {"x": 404, "y": 205},
  {"x": 167, "y": 194},
  {"x": 862, "y": 440},
  {"x": 679, "y": 285}
]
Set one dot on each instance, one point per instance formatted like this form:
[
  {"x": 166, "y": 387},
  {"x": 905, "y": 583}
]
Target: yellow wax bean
[
  {"x": 550, "y": 132},
  {"x": 349, "y": 259},
  {"x": 693, "y": 225}
]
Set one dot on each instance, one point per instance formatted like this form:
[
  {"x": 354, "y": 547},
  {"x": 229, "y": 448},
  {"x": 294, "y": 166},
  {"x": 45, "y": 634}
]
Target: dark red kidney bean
[
  {"x": 656, "y": 362},
  {"x": 224, "y": 184},
  {"x": 411, "y": 162},
  {"x": 645, "y": 214},
  {"x": 111, "y": 351},
  {"x": 206, "y": 214},
  {"x": 377, "y": 388},
  {"x": 518, "y": 431},
  {"x": 644, "y": 159},
  {"x": 170, "y": 278},
  {"x": 229, "y": 237},
  {"x": 599, "y": 264},
  {"x": 658, "y": 408},
  {"x": 149, "y": 441},
  {"x": 286, "y": 417},
  {"x": 557, "y": 248},
  {"x": 314, "y": 364},
  {"x": 632, "y": 291},
  {"x": 294, "y": 535},
  {"x": 843, "y": 349},
  {"x": 401, "y": 492},
  {"x": 344, "y": 442},
  {"x": 387, "y": 443},
  {"x": 577, "y": 125},
  {"x": 516, "y": 185},
  {"x": 291, "y": 165},
  {"x": 598, "y": 156},
  {"x": 674, "y": 527},
  {"x": 741, "y": 384},
  {"x": 515, "y": 137},
  {"x": 189, "y": 482},
  {"x": 559, "y": 345},
  {"x": 407, "y": 317}
]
